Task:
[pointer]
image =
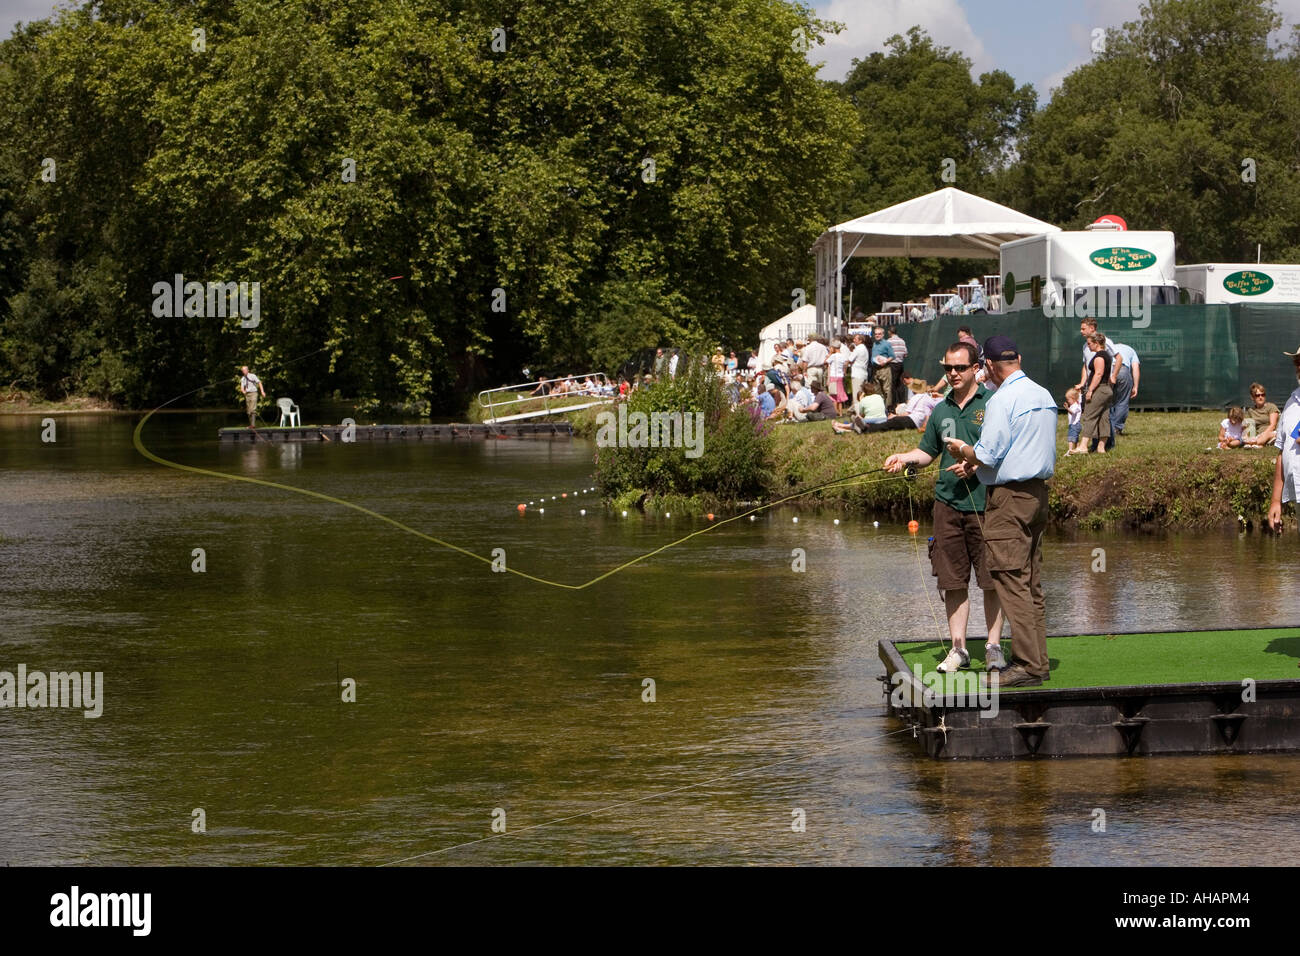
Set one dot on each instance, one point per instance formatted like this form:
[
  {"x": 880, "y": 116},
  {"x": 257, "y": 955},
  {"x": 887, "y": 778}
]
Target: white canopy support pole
[
  {"x": 839, "y": 279},
  {"x": 818, "y": 290}
]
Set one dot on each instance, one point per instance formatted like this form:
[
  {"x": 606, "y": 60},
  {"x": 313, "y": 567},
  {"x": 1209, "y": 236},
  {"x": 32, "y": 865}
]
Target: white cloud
[{"x": 869, "y": 25}]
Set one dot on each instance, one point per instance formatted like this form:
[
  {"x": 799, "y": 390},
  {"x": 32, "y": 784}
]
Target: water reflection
[{"x": 477, "y": 690}]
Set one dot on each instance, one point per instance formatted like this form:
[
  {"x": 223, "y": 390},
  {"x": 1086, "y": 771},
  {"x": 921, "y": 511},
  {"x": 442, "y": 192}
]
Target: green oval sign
[
  {"x": 1123, "y": 258},
  {"x": 1009, "y": 288},
  {"x": 1248, "y": 282}
]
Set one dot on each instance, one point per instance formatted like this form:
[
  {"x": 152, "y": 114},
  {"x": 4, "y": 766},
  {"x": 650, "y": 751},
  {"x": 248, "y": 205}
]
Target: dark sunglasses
[{"x": 954, "y": 368}]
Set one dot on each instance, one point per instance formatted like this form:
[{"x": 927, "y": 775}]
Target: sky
[{"x": 1036, "y": 42}]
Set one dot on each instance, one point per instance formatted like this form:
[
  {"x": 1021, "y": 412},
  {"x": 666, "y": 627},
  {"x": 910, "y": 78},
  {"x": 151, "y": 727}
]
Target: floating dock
[
  {"x": 420, "y": 432},
  {"x": 1110, "y": 695}
]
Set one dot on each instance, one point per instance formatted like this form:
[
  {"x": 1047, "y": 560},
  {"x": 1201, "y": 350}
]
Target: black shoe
[{"x": 1014, "y": 676}]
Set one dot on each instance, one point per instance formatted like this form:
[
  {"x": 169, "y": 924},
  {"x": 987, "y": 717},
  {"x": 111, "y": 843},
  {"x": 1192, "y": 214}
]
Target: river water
[{"x": 483, "y": 695}]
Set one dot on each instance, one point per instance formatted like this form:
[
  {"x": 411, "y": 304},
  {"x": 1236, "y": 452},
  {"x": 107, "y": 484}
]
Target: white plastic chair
[{"x": 290, "y": 411}]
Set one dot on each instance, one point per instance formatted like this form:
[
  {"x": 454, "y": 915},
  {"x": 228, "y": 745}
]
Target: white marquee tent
[{"x": 948, "y": 223}]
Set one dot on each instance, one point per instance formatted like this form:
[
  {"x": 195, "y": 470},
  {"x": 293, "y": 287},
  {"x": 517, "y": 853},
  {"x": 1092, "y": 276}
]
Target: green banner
[{"x": 1192, "y": 356}]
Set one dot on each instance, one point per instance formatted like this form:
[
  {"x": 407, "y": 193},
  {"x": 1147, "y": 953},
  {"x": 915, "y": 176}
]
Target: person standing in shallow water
[{"x": 250, "y": 385}]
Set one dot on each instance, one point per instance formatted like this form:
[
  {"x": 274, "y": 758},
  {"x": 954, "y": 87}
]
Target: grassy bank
[{"x": 1159, "y": 477}]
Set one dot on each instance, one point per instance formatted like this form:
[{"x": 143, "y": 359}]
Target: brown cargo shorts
[{"x": 958, "y": 545}]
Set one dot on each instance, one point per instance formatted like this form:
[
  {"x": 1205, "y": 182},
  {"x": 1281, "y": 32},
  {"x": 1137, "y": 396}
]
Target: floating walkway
[
  {"x": 1110, "y": 695},
  {"x": 419, "y": 432}
]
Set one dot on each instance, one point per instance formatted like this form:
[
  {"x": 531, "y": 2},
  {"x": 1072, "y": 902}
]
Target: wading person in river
[
  {"x": 1014, "y": 457},
  {"x": 958, "y": 542},
  {"x": 250, "y": 385}
]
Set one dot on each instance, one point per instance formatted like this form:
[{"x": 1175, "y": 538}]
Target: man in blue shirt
[
  {"x": 882, "y": 355},
  {"x": 1014, "y": 457},
  {"x": 1124, "y": 377}
]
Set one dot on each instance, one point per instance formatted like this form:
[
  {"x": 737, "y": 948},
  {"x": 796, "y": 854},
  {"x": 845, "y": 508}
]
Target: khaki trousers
[
  {"x": 1013, "y": 533},
  {"x": 885, "y": 381}
]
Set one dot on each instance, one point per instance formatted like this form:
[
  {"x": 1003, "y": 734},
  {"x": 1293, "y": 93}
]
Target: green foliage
[
  {"x": 918, "y": 106},
  {"x": 476, "y": 169},
  {"x": 1158, "y": 128},
  {"x": 734, "y": 450}
]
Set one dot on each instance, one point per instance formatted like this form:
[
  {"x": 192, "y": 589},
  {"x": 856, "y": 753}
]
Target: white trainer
[{"x": 957, "y": 658}]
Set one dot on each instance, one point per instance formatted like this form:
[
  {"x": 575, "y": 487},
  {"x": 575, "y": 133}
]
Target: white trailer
[
  {"x": 1217, "y": 283},
  {"x": 1097, "y": 273}
]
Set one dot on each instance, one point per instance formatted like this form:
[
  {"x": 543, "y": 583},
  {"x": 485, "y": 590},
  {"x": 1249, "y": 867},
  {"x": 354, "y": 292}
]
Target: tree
[
  {"x": 1187, "y": 122},
  {"x": 926, "y": 124}
]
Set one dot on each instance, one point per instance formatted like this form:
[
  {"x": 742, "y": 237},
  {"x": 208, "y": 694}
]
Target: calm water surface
[{"x": 477, "y": 691}]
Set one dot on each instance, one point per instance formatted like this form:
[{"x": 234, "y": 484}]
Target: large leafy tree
[
  {"x": 926, "y": 124},
  {"x": 1187, "y": 121},
  {"x": 553, "y": 183}
]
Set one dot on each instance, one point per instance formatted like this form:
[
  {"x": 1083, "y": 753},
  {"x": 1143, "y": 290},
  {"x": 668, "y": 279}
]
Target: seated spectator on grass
[
  {"x": 916, "y": 413},
  {"x": 800, "y": 395},
  {"x": 820, "y": 408},
  {"x": 766, "y": 401},
  {"x": 870, "y": 409},
  {"x": 1231, "y": 429},
  {"x": 780, "y": 399},
  {"x": 1261, "y": 418}
]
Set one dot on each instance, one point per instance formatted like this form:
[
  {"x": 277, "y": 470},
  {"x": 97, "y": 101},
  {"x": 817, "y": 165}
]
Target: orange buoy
[
  {"x": 710, "y": 516},
  {"x": 564, "y": 494},
  {"x": 521, "y": 508},
  {"x": 914, "y": 526}
]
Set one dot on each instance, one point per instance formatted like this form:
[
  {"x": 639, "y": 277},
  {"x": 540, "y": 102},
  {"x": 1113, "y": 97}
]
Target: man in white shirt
[
  {"x": 1287, "y": 473},
  {"x": 250, "y": 385},
  {"x": 861, "y": 362},
  {"x": 802, "y": 398},
  {"x": 814, "y": 357}
]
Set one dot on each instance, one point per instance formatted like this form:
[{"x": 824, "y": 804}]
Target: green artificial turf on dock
[{"x": 1125, "y": 660}]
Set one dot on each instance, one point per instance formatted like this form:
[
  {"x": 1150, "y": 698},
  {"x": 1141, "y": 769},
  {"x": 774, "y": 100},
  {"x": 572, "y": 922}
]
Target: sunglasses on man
[{"x": 954, "y": 368}]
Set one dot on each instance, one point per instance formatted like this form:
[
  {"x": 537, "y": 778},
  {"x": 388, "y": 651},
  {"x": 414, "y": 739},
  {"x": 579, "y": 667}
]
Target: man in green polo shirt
[{"x": 958, "y": 542}]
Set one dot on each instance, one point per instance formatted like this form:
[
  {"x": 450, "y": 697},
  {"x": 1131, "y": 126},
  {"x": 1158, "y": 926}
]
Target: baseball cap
[{"x": 998, "y": 348}]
